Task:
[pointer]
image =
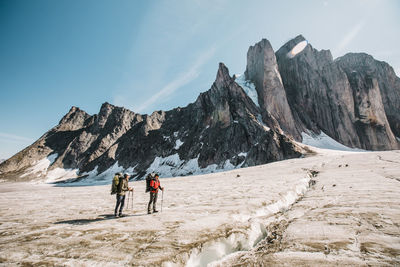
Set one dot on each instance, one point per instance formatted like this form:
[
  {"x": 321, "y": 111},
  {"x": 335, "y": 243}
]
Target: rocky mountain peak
[
  {"x": 361, "y": 62},
  {"x": 378, "y": 80},
  {"x": 299, "y": 49},
  {"x": 289, "y": 45},
  {"x": 74, "y": 119},
  {"x": 355, "y": 100},
  {"x": 262, "y": 69},
  {"x": 106, "y": 105},
  {"x": 223, "y": 78},
  {"x": 349, "y": 93}
]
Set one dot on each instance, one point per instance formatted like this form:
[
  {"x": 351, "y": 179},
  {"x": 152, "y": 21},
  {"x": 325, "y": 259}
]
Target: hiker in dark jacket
[
  {"x": 122, "y": 189},
  {"x": 154, "y": 186}
]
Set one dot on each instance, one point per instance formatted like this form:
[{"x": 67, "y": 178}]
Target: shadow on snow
[{"x": 102, "y": 217}]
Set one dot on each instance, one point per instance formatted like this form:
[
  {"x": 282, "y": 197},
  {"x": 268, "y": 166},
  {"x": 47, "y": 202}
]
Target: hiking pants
[
  {"x": 120, "y": 201},
  {"x": 153, "y": 199}
]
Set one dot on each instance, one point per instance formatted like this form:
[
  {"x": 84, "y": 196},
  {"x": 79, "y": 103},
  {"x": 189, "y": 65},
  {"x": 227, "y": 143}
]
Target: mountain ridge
[{"x": 352, "y": 99}]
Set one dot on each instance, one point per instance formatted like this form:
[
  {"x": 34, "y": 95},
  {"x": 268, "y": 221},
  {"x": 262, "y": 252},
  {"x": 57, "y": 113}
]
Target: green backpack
[{"x": 115, "y": 183}]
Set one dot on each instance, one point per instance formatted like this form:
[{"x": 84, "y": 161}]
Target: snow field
[
  {"x": 350, "y": 217},
  {"x": 74, "y": 224},
  {"x": 255, "y": 232},
  {"x": 244, "y": 217}
]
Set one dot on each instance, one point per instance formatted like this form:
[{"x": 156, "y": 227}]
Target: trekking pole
[
  {"x": 127, "y": 204},
  {"x": 132, "y": 198},
  {"x": 131, "y": 194},
  {"x": 162, "y": 199}
]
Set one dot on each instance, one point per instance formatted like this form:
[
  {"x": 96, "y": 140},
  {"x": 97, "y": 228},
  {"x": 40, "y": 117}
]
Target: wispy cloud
[
  {"x": 349, "y": 37},
  {"x": 5, "y": 137},
  {"x": 179, "y": 81}
]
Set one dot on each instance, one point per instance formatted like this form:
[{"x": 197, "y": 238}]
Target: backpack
[
  {"x": 149, "y": 177},
  {"x": 115, "y": 183}
]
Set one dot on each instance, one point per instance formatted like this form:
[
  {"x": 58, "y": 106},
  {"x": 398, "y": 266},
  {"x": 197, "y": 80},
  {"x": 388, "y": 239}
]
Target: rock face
[
  {"x": 262, "y": 70},
  {"x": 222, "y": 129},
  {"x": 361, "y": 70},
  {"x": 328, "y": 96}
]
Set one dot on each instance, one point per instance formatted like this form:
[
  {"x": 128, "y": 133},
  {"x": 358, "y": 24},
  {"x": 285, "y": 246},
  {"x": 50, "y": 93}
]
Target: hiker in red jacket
[{"x": 154, "y": 186}]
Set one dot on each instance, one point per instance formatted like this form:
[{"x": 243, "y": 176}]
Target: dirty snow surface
[{"x": 332, "y": 209}]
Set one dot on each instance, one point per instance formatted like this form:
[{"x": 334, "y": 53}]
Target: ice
[
  {"x": 216, "y": 250},
  {"x": 213, "y": 252},
  {"x": 325, "y": 142},
  {"x": 248, "y": 87}
]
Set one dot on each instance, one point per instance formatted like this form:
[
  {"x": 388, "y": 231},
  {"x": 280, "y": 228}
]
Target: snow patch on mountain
[
  {"x": 60, "y": 174},
  {"x": 69, "y": 175},
  {"x": 297, "y": 49},
  {"x": 41, "y": 166},
  {"x": 325, "y": 142},
  {"x": 242, "y": 154},
  {"x": 228, "y": 165},
  {"x": 88, "y": 178},
  {"x": 96, "y": 178},
  {"x": 248, "y": 87},
  {"x": 172, "y": 166},
  {"x": 178, "y": 144}
]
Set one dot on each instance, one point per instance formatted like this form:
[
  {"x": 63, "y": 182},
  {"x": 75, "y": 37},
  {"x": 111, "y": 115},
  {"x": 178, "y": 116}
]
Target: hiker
[
  {"x": 121, "y": 190},
  {"x": 154, "y": 186}
]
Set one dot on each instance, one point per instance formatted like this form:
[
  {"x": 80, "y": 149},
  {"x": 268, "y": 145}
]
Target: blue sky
[{"x": 157, "y": 55}]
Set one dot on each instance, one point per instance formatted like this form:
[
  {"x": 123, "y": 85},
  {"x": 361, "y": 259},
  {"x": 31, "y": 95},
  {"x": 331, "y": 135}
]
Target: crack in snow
[{"x": 256, "y": 228}]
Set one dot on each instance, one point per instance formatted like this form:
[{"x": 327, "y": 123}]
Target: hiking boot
[
  {"x": 155, "y": 211},
  {"x": 121, "y": 215},
  {"x": 149, "y": 212},
  {"x": 115, "y": 215}
]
